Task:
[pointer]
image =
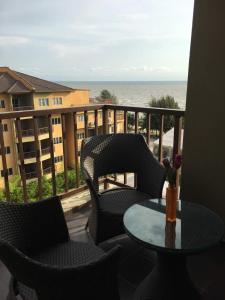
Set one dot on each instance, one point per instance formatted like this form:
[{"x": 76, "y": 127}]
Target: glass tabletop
[{"x": 196, "y": 229}]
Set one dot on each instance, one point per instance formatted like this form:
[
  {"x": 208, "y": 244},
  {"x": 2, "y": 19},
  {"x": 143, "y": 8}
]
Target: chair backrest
[
  {"x": 31, "y": 227},
  {"x": 118, "y": 153}
]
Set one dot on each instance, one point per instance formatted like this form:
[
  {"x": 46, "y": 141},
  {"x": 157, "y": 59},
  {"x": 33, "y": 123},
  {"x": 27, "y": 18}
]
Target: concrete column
[{"x": 204, "y": 138}]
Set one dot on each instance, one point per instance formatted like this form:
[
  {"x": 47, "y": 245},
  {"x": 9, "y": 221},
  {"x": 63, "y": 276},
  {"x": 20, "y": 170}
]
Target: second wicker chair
[
  {"x": 44, "y": 262},
  {"x": 108, "y": 154}
]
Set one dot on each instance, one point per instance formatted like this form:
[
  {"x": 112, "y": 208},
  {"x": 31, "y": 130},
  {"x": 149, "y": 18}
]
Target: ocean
[{"x": 135, "y": 93}]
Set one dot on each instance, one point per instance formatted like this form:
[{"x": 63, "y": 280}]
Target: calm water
[{"x": 135, "y": 93}]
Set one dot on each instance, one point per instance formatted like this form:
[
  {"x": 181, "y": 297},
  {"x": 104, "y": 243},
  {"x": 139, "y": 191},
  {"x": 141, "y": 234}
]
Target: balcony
[
  {"x": 22, "y": 102},
  {"x": 47, "y": 171},
  {"x": 31, "y": 175},
  {"x": 38, "y": 122},
  {"x": 202, "y": 267},
  {"x": 45, "y": 151},
  {"x": 21, "y": 108},
  {"x": 30, "y": 132}
]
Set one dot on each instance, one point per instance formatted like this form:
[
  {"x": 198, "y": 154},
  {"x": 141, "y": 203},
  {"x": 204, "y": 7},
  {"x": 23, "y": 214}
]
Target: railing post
[
  {"x": 115, "y": 120},
  {"x": 38, "y": 166},
  {"x": 177, "y": 142},
  {"x": 85, "y": 124},
  {"x": 177, "y": 136},
  {"x": 96, "y": 122},
  {"x": 161, "y": 128},
  {"x": 105, "y": 120},
  {"x": 52, "y": 155},
  {"x": 21, "y": 156},
  {"x": 136, "y": 122},
  {"x": 148, "y": 128},
  {"x": 65, "y": 152},
  {"x": 76, "y": 160},
  {"x": 4, "y": 163}
]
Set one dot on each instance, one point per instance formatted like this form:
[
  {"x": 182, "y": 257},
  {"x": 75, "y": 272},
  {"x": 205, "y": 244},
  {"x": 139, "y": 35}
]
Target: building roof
[{"x": 13, "y": 82}]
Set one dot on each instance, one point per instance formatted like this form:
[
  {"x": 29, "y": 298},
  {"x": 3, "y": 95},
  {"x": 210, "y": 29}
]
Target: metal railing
[
  {"x": 45, "y": 151},
  {"x": 29, "y": 154},
  {"x": 70, "y": 127},
  {"x": 31, "y": 175},
  {"x": 30, "y": 132},
  {"x": 20, "y": 108},
  {"x": 47, "y": 170}
]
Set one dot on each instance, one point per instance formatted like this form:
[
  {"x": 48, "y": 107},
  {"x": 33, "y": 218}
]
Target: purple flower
[
  {"x": 172, "y": 170},
  {"x": 177, "y": 161}
]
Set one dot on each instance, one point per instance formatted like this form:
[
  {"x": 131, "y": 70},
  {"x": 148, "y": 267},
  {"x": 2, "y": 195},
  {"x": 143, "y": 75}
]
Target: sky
[{"x": 97, "y": 39}]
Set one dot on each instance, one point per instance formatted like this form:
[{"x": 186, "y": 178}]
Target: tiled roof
[
  {"x": 13, "y": 82},
  {"x": 41, "y": 85}
]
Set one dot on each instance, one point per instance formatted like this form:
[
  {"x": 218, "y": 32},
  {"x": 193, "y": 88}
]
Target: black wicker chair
[
  {"x": 108, "y": 154},
  {"x": 44, "y": 262}
]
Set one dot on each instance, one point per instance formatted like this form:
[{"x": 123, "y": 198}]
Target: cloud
[
  {"x": 160, "y": 69},
  {"x": 13, "y": 40}
]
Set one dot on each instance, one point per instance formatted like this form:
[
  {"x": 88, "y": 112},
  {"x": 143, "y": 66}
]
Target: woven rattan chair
[
  {"x": 108, "y": 154},
  {"x": 44, "y": 262}
]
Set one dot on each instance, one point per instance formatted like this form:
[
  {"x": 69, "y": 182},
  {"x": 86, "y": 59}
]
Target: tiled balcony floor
[{"x": 207, "y": 270}]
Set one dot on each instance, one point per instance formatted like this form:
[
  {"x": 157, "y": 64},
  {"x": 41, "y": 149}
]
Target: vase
[
  {"x": 171, "y": 204},
  {"x": 170, "y": 235}
]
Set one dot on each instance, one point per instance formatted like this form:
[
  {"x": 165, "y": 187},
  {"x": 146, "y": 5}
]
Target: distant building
[{"x": 19, "y": 92}]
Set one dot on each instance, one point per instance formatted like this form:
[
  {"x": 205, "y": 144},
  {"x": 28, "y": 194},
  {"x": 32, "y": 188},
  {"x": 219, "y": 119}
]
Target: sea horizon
[{"x": 134, "y": 93}]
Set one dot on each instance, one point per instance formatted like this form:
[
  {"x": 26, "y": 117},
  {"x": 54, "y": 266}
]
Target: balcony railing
[
  {"x": 47, "y": 171},
  {"x": 31, "y": 175},
  {"x": 45, "y": 151},
  {"x": 29, "y": 154},
  {"x": 30, "y": 132},
  {"x": 21, "y": 108},
  {"x": 69, "y": 124}
]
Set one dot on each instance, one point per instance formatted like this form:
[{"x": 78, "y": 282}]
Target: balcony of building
[
  {"x": 30, "y": 127},
  {"x": 29, "y": 170},
  {"x": 45, "y": 149},
  {"x": 22, "y": 102},
  {"x": 47, "y": 167},
  {"x": 29, "y": 152}
]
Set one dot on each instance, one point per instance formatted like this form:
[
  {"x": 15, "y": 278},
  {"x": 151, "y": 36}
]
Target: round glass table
[{"x": 196, "y": 229}]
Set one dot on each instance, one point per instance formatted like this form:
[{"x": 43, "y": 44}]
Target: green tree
[
  {"x": 46, "y": 187},
  {"x": 105, "y": 96},
  {"x": 162, "y": 102},
  {"x": 71, "y": 179},
  {"x": 2, "y": 195},
  {"x": 15, "y": 189},
  {"x": 60, "y": 183}
]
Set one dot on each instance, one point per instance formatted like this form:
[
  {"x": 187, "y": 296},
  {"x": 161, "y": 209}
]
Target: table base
[{"x": 169, "y": 280}]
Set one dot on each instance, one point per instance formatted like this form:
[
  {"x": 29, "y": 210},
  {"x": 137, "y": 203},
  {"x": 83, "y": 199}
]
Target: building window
[
  {"x": 56, "y": 121},
  {"x": 80, "y": 135},
  {"x": 43, "y": 102},
  {"x": 7, "y": 150},
  {"x": 5, "y": 127},
  {"x": 80, "y": 118},
  {"x": 58, "y": 159},
  {"x": 57, "y": 140},
  {"x": 2, "y": 104},
  {"x": 57, "y": 100},
  {"x": 100, "y": 114},
  {"x": 9, "y": 170}
]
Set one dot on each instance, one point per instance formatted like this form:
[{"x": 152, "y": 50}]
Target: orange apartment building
[{"x": 19, "y": 92}]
